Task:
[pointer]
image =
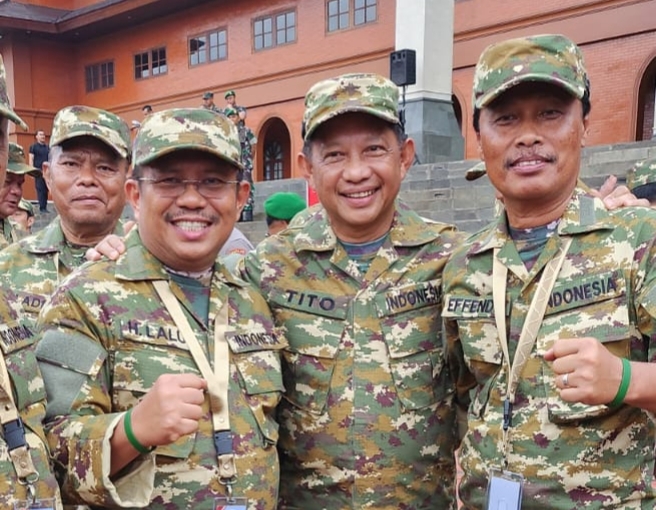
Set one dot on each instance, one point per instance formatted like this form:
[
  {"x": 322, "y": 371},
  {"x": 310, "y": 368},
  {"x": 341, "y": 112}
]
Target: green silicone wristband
[
  {"x": 127, "y": 425},
  {"x": 624, "y": 384}
]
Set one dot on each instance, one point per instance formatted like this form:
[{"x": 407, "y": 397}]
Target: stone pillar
[{"x": 426, "y": 26}]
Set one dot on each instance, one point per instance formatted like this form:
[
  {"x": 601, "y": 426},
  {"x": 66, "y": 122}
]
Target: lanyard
[
  {"x": 217, "y": 379},
  {"x": 529, "y": 330},
  {"x": 14, "y": 433}
]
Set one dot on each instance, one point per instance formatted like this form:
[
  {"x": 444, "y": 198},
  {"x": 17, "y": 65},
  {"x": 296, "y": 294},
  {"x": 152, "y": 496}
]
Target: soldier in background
[
  {"x": 11, "y": 192},
  {"x": 367, "y": 419},
  {"x": 86, "y": 173},
  {"x": 23, "y": 218},
  {"x": 125, "y": 344},
  {"x": 208, "y": 102},
  {"x": 247, "y": 140},
  {"x": 641, "y": 180},
  {"x": 25, "y": 477},
  {"x": 550, "y": 312},
  {"x": 280, "y": 208},
  {"x": 231, "y": 102}
]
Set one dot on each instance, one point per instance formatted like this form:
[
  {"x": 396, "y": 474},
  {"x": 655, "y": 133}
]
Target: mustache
[
  {"x": 173, "y": 216},
  {"x": 527, "y": 155}
]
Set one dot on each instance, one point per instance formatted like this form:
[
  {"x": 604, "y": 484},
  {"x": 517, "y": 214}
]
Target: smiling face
[
  {"x": 356, "y": 163},
  {"x": 530, "y": 139},
  {"x": 186, "y": 232},
  {"x": 86, "y": 179}
]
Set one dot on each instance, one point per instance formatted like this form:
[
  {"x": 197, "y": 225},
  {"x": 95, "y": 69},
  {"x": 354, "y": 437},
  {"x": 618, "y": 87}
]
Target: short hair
[{"x": 147, "y": 107}]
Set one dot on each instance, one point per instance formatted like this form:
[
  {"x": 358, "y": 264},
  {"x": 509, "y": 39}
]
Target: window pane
[
  {"x": 291, "y": 34},
  {"x": 344, "y": 20},
  {"x": 359, "y": 17},
  {"x": 280, "y": 22},
  {"x": 259, "y": 42},
  {"x": 257, "y": 28},
  {"x": 332, "y": 24},
  {"x": 268, "y": 24},
  {"x": 223, "y": 37},
  {"x": 291, "y": 19},
  {"x": 371, "y": 14},
  {"x": 268, "y": 40},
  {"x": 223, "y": 52},
  {"x": 343, "y": 5},
  {"x": 332, "y": 8},
  {"x": 359, "y": 4}
]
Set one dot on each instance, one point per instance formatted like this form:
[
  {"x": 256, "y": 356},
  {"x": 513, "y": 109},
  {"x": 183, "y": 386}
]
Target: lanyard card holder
[
  {"x": 230, "y": 504},
  {"x": 504, "y": 490}
]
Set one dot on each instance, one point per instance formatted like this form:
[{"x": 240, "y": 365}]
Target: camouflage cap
[
  {"x": 26, "y": 206},
  {"x": 187, "y": 128},
  {"x": 643, "y": 172},
  {"x": 208, "y": 95},
  {"x": 73, "y": 121},
  {"x": 5, "y": 106},
  {"x": 545, "y": 58},
  {"x": 478, "y": 170},
  {"x": 229, "y": 93},
  {"x": 367, "y": 93},
  {"x": 17, "y": 162}
]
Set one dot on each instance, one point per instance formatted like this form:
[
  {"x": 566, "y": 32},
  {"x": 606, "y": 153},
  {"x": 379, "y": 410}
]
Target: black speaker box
[{"x": 403, "y": 67}]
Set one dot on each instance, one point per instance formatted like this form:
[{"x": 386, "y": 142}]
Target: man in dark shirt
[{"x": 38, "y": 155}]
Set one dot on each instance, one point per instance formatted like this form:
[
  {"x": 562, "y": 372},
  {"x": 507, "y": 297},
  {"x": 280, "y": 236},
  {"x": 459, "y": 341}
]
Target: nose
[
  {"x": 356, "y": 168},
  {"x": 191, "y": 197},
  {"x": 529, "y": 134}
]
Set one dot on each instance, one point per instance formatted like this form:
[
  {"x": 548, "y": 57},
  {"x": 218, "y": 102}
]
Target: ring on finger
[{"x": 566, "y": 379}]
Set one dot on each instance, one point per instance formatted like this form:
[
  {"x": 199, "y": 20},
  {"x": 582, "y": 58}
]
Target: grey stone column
[{"x": 426, "y": 26}]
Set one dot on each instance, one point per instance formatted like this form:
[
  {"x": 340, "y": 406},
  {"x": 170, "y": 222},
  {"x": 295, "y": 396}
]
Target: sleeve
[{"x": 79, "y": 417}]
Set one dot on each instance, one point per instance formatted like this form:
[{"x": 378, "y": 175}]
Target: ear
[
  {"x": 479, "y": 147},
  {"x": 586, "y": 130},
  {"x": 305, "y": 165},
  {"x": 45, "y": 171},
  {"x": 407, "y": 156},
  {"x": 243, "y": 193},
  {"x": 132, "y": 195}
]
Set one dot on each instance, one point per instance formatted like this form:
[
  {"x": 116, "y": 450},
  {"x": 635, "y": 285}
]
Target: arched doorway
[
  {"x": 276, "y": 151},
  {"x": 457, "y": 110},
  {"x": 646, "y": 118}
]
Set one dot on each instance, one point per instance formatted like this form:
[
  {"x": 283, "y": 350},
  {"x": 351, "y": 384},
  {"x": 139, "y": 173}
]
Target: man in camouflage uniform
[
  {"x": 553, "y": 401},
  {"x": 231, "y": 102},
  {"x": 11, "y": 192},
  {"x": 208, "y": 102},
  {"x": 641, "y": 180},
  {"x": 247, "y": 141},
  {"x": 128, "y": 393},
  {"x": 25, "y": 473},
  {"x": 367, "y": 419},
  {"x": 23, "y": 218},
  {"x": 86, "y": 172}
]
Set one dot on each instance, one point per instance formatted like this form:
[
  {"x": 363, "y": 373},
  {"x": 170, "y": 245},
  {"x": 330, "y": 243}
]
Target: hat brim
[
  {"x": 23, "y": 169},
  {"x": 121, "y": 151},
  {"x": 189, "y": 146},
  {"x": 11, "y": 115},
  {"x": 322, "y": 119},
  {"x": 487, "y": 99}
]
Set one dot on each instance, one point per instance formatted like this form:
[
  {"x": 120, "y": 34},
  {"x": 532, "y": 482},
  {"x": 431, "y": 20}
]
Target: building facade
[{"x": 124, "y": 54}]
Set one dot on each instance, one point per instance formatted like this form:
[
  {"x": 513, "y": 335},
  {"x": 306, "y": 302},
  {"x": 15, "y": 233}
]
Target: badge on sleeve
[{"x": 504, "y": 490}]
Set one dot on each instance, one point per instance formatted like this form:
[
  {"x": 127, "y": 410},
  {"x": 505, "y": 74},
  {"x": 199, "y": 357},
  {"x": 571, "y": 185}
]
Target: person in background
[
  {"x": 279, "y": 210},
  {"x": 146, "y": 110},
  {"x": 208, "y": 102},
  {"x": 162, "y": 367},
  {"x": 23, "y": 218},
  {"x": 247, "y": 139},
  {"x": 237, "y": 244},
  {"x": 11, "y": 192},
  {"x": 550, "y": 311},
  {"x": 231, "y": 102},
  {"x": 38, "y": 155},
  {"x": 26, "y": 480},
  {"x": 641, "y": 180}
]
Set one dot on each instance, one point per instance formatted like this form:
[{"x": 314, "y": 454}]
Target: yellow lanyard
[
  {"x": 217, "y": 379},
  {"x": 529, "y": 330}
]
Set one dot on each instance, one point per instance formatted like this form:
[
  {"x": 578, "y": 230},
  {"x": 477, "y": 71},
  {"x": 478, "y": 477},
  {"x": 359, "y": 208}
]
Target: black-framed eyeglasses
[{"x": 172, "y": 187}]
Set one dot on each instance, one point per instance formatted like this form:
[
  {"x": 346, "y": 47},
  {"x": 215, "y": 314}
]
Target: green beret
[
  {"x": 229, "y": 93},
  {"x": 229, "y": 111},
  {"x": 283, "y": 206}
]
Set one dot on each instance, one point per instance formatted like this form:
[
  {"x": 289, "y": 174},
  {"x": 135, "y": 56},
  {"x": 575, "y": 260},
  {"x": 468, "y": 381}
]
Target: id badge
[
  {"x": 504, "y": 490},
  {"x": 230, "y": 503},
  {"x": 37, "y": 504}
]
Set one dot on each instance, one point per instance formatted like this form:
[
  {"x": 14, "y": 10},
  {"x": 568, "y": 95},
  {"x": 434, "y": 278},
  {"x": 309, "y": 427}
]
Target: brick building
[{"x": 123, "y": 54}]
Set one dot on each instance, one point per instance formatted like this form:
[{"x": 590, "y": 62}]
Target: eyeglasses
[{"x": 172, "y": 187}]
